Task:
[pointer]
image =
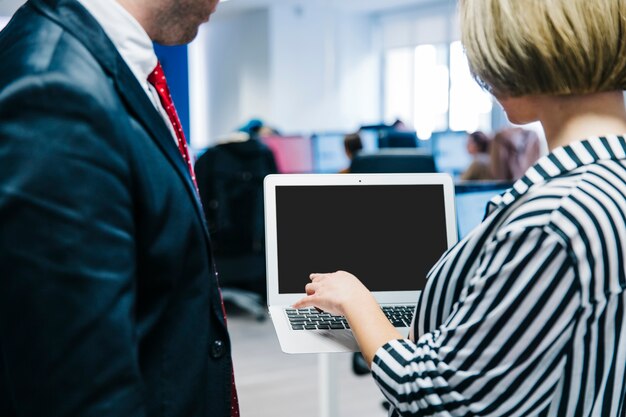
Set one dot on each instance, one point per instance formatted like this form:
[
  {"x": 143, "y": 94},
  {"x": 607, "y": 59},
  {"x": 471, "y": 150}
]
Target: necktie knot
[{"x": 157, "y": 79}]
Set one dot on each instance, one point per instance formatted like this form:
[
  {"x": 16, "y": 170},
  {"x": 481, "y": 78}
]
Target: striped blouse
[{"x": 526, "y": 315}]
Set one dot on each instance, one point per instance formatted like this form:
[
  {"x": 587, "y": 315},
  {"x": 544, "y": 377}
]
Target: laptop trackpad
[
  {"x": 318, "y": 341},
  {"x": 343, "y": 338}
]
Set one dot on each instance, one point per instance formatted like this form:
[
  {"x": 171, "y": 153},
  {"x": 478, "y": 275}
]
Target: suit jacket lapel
[{"x": 76, "y": 20}]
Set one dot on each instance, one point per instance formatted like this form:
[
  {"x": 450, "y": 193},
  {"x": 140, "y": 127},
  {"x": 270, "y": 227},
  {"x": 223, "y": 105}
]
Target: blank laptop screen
[{"x": 389, "y": 236}]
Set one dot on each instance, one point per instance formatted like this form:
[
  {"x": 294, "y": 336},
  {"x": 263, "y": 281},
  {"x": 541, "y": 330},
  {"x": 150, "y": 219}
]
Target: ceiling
[{"x": 8, "y": 7}]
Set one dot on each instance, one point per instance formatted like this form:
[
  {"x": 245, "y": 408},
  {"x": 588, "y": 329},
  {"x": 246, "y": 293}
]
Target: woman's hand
[
  {"x": 335, "y": 293},
  {"x": 341, "y": 293}
]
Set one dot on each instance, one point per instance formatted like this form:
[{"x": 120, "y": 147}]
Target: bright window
[
  {"x": 470, "y": 105},
  {"x": 398, "y": 85},
  {"x": 430, "y": 88}
]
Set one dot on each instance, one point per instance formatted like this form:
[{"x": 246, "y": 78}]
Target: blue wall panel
[{"x": 176, "y": 67}]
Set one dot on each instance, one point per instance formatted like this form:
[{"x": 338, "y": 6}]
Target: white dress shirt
[{"x": 133, "y": 44}]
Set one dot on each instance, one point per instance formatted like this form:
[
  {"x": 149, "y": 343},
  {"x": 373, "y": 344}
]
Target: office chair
[
  {"x": 397, "y": 139},
  {"x": 230, "y": 179},
  {"x": 393, "y": 160}
]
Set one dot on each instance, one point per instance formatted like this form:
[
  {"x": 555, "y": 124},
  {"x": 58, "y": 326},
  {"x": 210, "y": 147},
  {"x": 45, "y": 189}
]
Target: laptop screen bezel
[{"x": 271, "y": 182}]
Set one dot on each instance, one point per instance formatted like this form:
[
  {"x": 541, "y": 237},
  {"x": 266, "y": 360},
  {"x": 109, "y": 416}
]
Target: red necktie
[{"x": 157, "y": 79}]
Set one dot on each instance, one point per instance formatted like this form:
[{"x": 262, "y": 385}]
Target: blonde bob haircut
[{"x": 555, "y": 47}]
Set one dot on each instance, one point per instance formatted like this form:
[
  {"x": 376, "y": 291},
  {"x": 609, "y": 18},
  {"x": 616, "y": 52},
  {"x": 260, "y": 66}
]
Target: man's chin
[{"x": 182, "y": 38}]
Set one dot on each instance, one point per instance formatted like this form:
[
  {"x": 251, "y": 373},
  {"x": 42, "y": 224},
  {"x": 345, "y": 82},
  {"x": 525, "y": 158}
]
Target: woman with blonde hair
[{"x": 527, "y": 315}]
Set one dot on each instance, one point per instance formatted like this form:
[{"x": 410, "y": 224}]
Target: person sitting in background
[
  {"x": 352, "y": 144},
  {"x": 252, "y": 128},
  {"x": 399, "y": 125},
  {"x": 478, "y": 145},
  {"x": 266, "y": 130},
  {"x": 257, "y": 128},
  {"x": 513, "y": 151}
]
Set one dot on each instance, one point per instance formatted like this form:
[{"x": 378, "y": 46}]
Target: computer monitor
[
  {"x": 397, "y": 139},
  {"x": 450, "y": 152},
  {"x": 392, "y": 160},
  {"x": 369, "y": 139},
  {"x": 293, "y": 154},
  {"x": 329, "y": 154},
  {"x": 471, "y": 202}
]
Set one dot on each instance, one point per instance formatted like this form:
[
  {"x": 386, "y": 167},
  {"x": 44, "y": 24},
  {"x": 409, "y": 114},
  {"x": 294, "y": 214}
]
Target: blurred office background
[
  {"x": 326, "y": 66},
  {"x": 315, "y": 71}
]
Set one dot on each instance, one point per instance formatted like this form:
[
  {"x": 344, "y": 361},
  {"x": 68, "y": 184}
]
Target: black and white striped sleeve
[{"x": 503, "y": 348}]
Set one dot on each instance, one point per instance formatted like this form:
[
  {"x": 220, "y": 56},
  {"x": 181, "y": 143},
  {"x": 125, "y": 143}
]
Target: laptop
[{"x": 387, "y": 229}]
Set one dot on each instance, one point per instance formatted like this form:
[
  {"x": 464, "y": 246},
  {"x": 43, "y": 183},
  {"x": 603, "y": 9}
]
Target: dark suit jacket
[{"x": 109, "y": 304}]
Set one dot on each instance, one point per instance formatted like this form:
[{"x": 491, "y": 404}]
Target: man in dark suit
[{"x": 109, "y": 304}]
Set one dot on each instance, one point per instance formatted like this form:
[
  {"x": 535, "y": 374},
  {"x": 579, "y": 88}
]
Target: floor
[{"x": 272, "y": 383}]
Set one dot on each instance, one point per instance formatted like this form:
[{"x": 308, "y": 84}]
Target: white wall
[
  {"x": 432, "y": 23},
  {"x": 238, "y": 70},
  {"x": 300, "y": 68},
  {"x": 325, "y": 69}
]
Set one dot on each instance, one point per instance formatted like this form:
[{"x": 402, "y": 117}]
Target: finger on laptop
[
  {"x": 317, "y": 276},
  {"x": 310, "y": 288},
  {"x": 307, "y": 301}
]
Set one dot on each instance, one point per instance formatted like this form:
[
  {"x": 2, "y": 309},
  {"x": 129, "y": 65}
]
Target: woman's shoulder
[
  {"x": 584, "y": 210},
  {"x": 590, "y": 194}
]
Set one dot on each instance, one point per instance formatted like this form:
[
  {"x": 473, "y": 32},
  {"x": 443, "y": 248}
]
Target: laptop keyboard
[{"x": 312, "y": 319}]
